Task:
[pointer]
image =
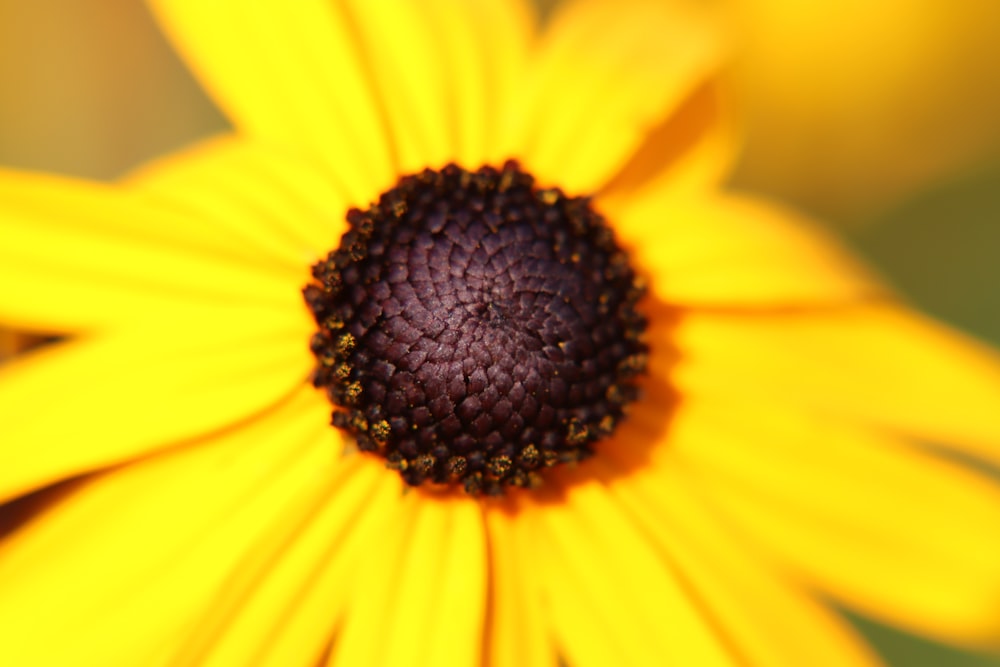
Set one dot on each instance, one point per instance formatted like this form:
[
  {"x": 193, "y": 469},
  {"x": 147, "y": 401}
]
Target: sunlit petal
[
  {"x": 152, "y": 542},
  {"x": 603, "y": 79},
  {"x": 877, "y": 364},
  {"x": 78, "y": 255},
  {"x": 840, "y": 505},
  {"x": 83, "y": 405},
  {"x": 291, "y": 74}
]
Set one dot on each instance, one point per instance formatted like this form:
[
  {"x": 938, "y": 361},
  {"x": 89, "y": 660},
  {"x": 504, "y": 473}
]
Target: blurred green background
[{"x": 881, "y": 118}]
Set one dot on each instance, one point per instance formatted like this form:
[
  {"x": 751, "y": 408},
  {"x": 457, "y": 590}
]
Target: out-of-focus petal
[
  {"x": 885, "y": 528},
  {"x": 877, "y": 364},
  {"x": 734, "y": 252}
]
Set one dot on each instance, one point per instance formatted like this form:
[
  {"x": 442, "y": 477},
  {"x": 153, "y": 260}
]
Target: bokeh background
[{"x": 879, "y": 117}]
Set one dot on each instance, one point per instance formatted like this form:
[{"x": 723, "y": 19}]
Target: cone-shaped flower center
[{"x": 474, "y": 329}]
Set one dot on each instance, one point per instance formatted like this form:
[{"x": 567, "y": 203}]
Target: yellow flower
[{"x": 207, "y": 512}]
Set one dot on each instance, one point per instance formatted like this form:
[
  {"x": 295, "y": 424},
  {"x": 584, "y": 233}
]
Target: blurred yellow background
[{"x": 880, "y": 116}]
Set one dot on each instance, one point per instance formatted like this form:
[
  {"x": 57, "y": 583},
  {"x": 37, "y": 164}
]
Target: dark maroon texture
[{"x": 475, "y": 329}]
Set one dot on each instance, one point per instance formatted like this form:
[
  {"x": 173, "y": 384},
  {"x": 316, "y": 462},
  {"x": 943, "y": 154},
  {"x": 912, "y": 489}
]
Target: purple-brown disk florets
[{"x": 474, "y": 329}]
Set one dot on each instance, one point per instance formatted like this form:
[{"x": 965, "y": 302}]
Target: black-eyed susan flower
[{"x": 585, "y": 407}]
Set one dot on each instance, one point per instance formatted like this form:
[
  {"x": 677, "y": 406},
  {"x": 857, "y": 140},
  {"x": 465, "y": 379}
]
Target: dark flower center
[{"x": 475, "y": 329}]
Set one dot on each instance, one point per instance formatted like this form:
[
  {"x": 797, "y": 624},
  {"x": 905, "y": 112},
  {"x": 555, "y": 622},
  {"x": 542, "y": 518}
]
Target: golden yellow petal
[
  {"x": 441, "y": 68},
  {"x": 457, "y": 617},
  {"x": 613, "y": 599},
  {"x": 120, "y": 568},
  {"x": 728, "y": 251},
  {"x": 420, "y": 595},
  {"x": 408, "y": 66},
  {"x": 281, "y": 605},
  {"x": 485, "y": 44},
  {"x": 878, "y": 364},
  {"x": 691, "y": 151},
  {"x": 266, "y": 202},
  {"x": 603, "y": 79},
  {"x": 79, "y": 255},
  {"x": 292, "y": 74},
  {"x": 769, "y": 622},
  {"x": 517, "y": 634},
  {"x": 880, "y": 525},
  {"x": 79, "y": 406}
]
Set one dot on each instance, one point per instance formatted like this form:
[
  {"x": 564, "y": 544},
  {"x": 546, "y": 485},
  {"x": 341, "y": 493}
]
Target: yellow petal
[
  {"x": 441, "y": 68},
  {"x": 882, "y": 526},
  {"x": 79, "y": 255},
  {"x": 516, "y": 632},
  {"x": 421, "y": 593},
  {"x": 264, "y": 201},
  {"x": 879, "y": 364},
  {"x": 79, "y": 406},
  {"x": 604, "y": 78},
  {"x": 292, "y": 74},
  {"x": 733, "y": 251},
  {"x": 613, "y": 599},
  {"x": 408, "y": 64},
  {"x": 281, "y": 605},
  {"x": 122, "y": 566},
  {"x": 692, "y": 150},
  {"x": 769, "y": 622}
]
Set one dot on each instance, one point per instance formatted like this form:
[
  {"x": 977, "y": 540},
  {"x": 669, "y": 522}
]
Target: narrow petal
[
  {"x": 485, "y": 44},
  {"x": 441, "y": 67},
  {"x": 266, "y": 202},
  {"x": 292, "y": 74},
  {"x": 82, "y": 405},
  {"x": 603, "y": 79},
  {"x": 122, "y": 565},
  {"x": 883, "y": 527},
  {"x": 613, "y": 599},
  {"x": 79, "y": 255},
  {"x": 421, "y": 597},
  {"x": 408, "y": 66},
  {"x": 767, "y": 621},
  {"x": 282, "y": 604},
  {"x": 710, "y": 250},
  {"x": 517, "y": 633},
  {"x": 879, "y": 364}
]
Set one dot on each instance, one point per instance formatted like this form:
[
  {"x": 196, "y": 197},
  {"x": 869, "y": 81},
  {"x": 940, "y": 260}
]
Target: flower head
[{"x": 745, "y": 437}]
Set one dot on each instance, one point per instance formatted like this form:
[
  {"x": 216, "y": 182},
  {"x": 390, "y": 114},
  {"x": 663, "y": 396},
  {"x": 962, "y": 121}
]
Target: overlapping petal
[
  {"x": 283, "y": 211},
  {"x": 611, "y": 599},
  {"x": 292, "y": 74},
  {"x": 601, "y": 81},
  {"x": 151, "y": 543},
  {"x": 692, "y": 151},
  {"x": 517, "y": 631},
  {"x": 888, "y": 529},
  {"x": 442, "y": 70},
  {"x": 735, "y": 252},
  {"x": 280, "y": 603},
  {"x": 765, "y": 620},
  {"x": 876, "y": 364},
  {"x": 79, "y": 255},
  {"x": 83, "y": 405},
  {"x": 424, "y": 587},
  {"x": 380, "y": 86}
]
